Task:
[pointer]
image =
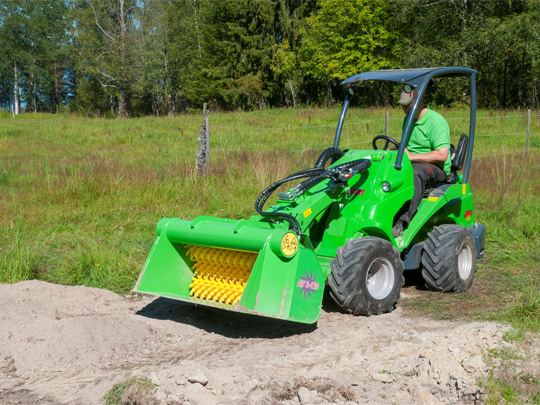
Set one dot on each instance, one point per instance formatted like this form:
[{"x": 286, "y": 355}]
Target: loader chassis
[{"x": 333, "y": 229}]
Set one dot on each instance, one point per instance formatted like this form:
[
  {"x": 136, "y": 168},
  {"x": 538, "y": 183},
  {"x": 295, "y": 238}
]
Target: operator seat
[{"x": 457, "y": 155}]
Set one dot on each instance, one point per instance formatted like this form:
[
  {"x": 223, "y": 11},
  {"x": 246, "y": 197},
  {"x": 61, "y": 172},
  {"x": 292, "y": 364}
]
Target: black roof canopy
[{"x": 413, "y": 77}]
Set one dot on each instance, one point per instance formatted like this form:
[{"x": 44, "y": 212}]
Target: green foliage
[
  {"x": 162, "y": 57},
  {"x": 499, "y": 39},
  {"x": 238, "y": 42},
  {"x": 92, "y": 99},
  {"x": 498, "y": 392},
  {"x": 105, "y": 47},
  {"x": 184, "y": 29},
  {"x": 154, "y": 82},
  {"x": 132, "y": 391},
  {"x": 286, "y": 64},
  {"x": 510, "y": 46},
  {"x": 524, "y": 309},
  {"x": 97, "y": 264},
  {"x": 33, "y": 51},
  {"x": 344, "y": 38},
  {"x": 19, "y": 258}
]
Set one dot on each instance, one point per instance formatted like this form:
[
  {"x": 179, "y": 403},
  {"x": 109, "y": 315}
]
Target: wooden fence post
[
  {"x": 203, "y": 152},
  {"x": 528, "y": 130},
  {"x": 208, "y": 138}
]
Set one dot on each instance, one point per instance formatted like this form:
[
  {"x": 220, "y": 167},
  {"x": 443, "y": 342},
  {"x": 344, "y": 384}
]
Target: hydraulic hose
[
  {"x": 263, "y": 197},
  {"x": 328, "y": 153},
  {"x": 314, "y": 180},
  {"x": 315, "y": 175}
]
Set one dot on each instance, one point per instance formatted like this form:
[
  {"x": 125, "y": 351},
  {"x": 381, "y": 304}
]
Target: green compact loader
[{"x": 332, "y": 229}]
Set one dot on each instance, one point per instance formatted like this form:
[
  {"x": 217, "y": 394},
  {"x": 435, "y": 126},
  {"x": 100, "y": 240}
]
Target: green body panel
[
  {"x": 273, "y": 287},
  {"x": 358, "y": 208},
  {"x": 292, "y": 288},
  {"x": 452, "y": 204}
]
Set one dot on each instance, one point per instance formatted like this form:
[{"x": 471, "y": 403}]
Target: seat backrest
[{"x": 458, "y": 155}]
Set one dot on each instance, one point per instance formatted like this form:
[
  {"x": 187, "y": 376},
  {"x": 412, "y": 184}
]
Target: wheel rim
[
  {"x": 465, "y": 261},
  {"x": 380, "y": 278}
]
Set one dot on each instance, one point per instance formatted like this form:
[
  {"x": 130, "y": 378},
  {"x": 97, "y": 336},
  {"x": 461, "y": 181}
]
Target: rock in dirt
[
  {"x": 196, "y": 394},
  {"x": 198, "y": 378},
  {"x": 308, "y": 397}
]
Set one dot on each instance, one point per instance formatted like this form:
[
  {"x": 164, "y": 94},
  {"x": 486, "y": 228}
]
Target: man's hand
[
  {"x": 435, "y": 156},
  {"x": 409, "y": 154}
]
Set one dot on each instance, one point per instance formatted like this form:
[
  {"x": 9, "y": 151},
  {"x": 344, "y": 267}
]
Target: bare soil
[{"x": 70, "y": 345}]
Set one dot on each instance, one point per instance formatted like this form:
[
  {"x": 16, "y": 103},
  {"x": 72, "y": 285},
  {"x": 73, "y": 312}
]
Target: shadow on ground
[
  {"x": 239, "y": 325},
  {"x": 226, "y": 323}
]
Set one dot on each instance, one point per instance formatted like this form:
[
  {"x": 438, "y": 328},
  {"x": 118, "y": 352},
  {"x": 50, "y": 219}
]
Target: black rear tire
[
  {"x": 449, "y": 259},
  {"x": 366, "y": 276}
]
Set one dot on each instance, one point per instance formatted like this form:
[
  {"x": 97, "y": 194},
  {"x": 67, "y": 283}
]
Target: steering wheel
[{"x": 388, "y": 141}]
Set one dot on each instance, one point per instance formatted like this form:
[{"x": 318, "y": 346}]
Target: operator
[{"x": 428, "y": 150}]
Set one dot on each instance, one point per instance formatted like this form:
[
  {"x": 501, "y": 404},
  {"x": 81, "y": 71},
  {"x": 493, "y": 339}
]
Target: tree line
[{"x": 140, "y": 57}]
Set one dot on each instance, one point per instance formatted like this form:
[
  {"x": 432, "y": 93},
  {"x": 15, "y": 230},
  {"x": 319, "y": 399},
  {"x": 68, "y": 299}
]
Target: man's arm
[{"x": 435, "y": 156}]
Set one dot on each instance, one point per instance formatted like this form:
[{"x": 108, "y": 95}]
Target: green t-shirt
[{"x": 430, "y": 133}]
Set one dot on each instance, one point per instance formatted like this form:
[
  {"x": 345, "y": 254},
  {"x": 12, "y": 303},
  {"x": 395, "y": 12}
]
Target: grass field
[{"x": 80, "y": 198}]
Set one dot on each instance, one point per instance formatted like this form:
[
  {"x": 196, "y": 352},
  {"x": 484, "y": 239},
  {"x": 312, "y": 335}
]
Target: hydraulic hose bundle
[{"x": 339, "y": 174}]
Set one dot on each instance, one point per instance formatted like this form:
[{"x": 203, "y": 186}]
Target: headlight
[{"x": 386, "y": 186}]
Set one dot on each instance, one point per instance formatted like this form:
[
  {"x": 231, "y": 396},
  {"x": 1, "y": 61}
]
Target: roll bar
[{"x": 419, "y": 79}]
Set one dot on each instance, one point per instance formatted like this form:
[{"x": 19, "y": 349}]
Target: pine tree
[{"x": 238, "y": 44}]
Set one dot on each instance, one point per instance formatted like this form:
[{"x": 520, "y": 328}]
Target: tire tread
[
  {"x": 439, "y": 258},
  {"x": 345, "y": 282}
]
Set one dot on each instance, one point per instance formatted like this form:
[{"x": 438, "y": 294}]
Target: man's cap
[{"x": 406, "y": 98}]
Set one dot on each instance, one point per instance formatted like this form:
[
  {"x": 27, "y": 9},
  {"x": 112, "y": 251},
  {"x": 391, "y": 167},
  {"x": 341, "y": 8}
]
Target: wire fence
[{"x": 386, "y": 120}]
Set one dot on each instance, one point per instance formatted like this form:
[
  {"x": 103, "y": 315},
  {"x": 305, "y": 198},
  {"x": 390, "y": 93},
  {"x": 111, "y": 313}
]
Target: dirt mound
[{"x": 72, "y": 344}]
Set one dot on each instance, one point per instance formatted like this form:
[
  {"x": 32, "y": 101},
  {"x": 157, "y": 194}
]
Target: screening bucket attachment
[{"x": 238, "y": 265}]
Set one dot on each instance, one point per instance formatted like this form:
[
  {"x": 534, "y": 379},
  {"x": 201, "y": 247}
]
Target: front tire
[
  {"x": 449, "y": 259},
  {"x": 366, "y": 276}
]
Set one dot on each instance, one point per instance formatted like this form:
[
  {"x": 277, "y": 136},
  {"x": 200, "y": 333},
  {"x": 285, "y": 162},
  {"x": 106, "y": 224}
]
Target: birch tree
[
  {"x": 13, "y": 46},
  {"x": 155, "y": 79},
  {"x": 104, "y": 32}
]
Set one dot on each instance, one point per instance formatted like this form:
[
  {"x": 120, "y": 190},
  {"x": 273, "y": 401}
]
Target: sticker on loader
[
  {"x": 308, "y": 284},
  {"x": 289, "y": 244}
]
